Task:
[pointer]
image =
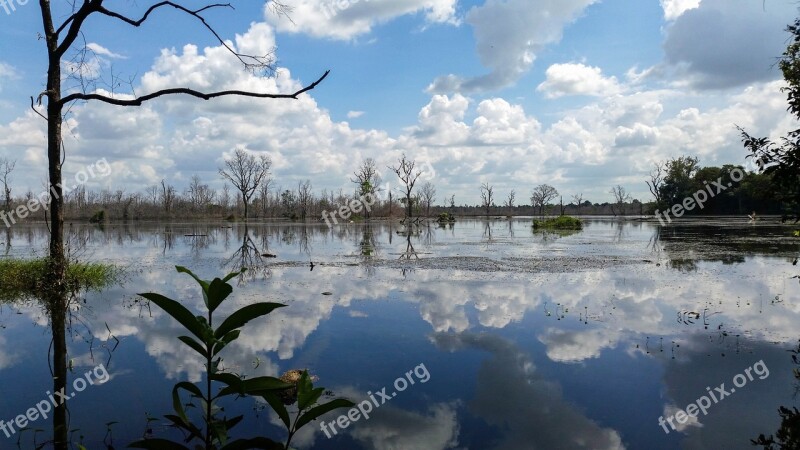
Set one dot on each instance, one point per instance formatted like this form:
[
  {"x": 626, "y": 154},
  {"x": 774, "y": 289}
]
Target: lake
[{"x": 513, "y": 339}]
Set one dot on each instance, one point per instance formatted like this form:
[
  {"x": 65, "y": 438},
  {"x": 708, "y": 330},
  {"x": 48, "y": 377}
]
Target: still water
[{"x": 525, "y": 340}]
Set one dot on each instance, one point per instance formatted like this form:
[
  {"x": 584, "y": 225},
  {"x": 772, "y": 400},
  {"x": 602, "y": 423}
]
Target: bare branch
[{"x": 205, "y": 96}]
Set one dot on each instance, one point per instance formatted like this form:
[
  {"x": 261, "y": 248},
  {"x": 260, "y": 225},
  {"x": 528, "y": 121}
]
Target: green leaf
[
  {"x": 177, "y": 404},
  {"x": 157, "y": 444},
  {"x": 277, "y": 405},
  {"x": 317, "y": 411},
  {"x": 230, "y": 276},
  {"x": 227, "y": 339},
  {"x": 202, "y": 283},
  {"x": 256, "y": 384},
  {"x": 196, "y": 346},
  {"x": 254, "y": 443},
  {"x": 178, "y": 312},
  {"x": 244, "y": 315},
  {"x": 218, "y": 291},
  {"x": 184, "y": 425},
  {"x": 306, "y": 394}
]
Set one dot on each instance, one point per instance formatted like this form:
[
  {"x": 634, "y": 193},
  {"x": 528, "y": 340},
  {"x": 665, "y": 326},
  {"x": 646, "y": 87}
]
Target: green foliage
[
  {"x": 98, "y": 217},
  {"x": 208, "y": 342},
  {"x": 559, "y": 223},
  {"x": 26, "y": 279},
  {"x": 782, "y": 161},
  {"x": 445, "y": 218}
]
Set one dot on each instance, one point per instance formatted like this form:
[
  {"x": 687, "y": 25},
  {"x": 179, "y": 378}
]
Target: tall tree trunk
[{"x": 56, "y": 295}]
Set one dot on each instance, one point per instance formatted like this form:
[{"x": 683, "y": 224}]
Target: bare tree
[
  {"x": 6, "y": 167},
  {"x": 578, "y": 199},
  {"x": 304, "y": 198},
  {"x": 510, "y": 199},
  {"x": 58, "y": 40},
  {"x": 542, "y": 195},
  {"x": 225, "y": 198},
  {"x": 408, "y": 176},
  {"x": 246, "y": 173},
  {"x": 452, "y": 201},
  {"x": 487, "y": 194},
  {"x": 428, "y": 195},
  {"x": 656, "y": 180},
  {"x": 167, "y": 196},
  {"x": 621, "y": 197}
]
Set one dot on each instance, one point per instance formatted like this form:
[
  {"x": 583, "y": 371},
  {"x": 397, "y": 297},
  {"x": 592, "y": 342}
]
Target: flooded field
[{"x": 514, "y": 339}]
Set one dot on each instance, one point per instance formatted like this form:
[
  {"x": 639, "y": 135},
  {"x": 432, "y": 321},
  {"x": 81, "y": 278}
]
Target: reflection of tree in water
[
  {"x": 249, "y": 257},
  {"x": 550, "y": 236},
  {"x": 8, "y": 241},
  {"x": 787, "y": 437},
  {"x": 688, "y": 244}
]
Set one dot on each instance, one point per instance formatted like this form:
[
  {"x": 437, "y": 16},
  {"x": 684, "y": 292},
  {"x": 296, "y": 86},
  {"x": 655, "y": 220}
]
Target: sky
[{"x": 579, "y": 94}]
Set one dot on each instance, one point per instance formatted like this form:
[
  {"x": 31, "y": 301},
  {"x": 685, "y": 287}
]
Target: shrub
[{"x": 559, "y": 223}]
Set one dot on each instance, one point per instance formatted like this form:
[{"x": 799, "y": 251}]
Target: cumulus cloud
[
  {"x": 509, "y": 34},
  {"x": 347, "y": 19},
  {"x": 674, "y": 8},
  {"x": 716, "y": 46},
  {"x": 531, "y": 410},
  {"x": 577, "y": 79},
  {"x": 354, "y": 114}
]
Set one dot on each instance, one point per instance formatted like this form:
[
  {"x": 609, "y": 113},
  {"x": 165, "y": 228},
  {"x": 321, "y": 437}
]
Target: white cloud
[
  {"x": 99, "y": 50},
  {"x": 577, "y": 79},
  {"x": 674, "y": 8},
  {"x": 347, "y": 19},
  {"x": 509, "y": 34},
  {"x": 354, "y": 114}
]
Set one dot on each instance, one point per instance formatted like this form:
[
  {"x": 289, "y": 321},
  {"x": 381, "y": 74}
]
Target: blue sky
[{"x": 579, "y": 94}]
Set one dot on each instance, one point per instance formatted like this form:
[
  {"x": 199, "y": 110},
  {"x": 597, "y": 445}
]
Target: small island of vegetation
[{"x": 558, "y": 223}]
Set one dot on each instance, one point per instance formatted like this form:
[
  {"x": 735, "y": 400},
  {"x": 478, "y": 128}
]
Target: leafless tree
[
  {"x": 59, "y": 39},
  {"x": 542, "y": 195},
  {"x": 408, "y": 176},
  {"x": 657, "y": 180},
  {"x": 510, "y": 199},
  {"x": 452, "y": 201},
  {"x": 304, "y": 198},
  {"x": 266, "y": 185},
  {"x": 621, "y": 197},
  {"x": 6, "y": 167},
  {"x": 167, "y": 196},
  {"x": 578, "y": 199},
  {"x": 487, "y": 194},
  {"x": 246, "y": 173},
  {"x": 428, "y": 195}
]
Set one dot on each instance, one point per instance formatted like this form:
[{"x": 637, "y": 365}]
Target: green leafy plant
[
  {"x": 559, "y": 223},
  {"x": 209, "y": 341}
]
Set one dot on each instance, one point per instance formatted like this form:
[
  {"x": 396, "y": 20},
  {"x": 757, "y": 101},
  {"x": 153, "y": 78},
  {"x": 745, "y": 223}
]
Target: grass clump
[
  {"x": 28, "y": 278},
  {"x": 558, "y": 223}
]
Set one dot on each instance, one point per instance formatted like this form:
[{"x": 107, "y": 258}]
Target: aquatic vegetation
[
  {"x": 446, "y": 218},
  {"x": 27, "y": 278},
  {"x": 559, "y": 223},
  {"x": 209, "y": 341}
]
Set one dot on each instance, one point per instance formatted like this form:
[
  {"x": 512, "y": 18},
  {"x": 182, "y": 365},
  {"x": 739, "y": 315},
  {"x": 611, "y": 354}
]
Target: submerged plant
[{"x": 208, "y": 341}]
